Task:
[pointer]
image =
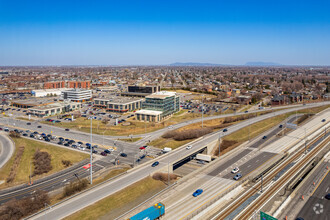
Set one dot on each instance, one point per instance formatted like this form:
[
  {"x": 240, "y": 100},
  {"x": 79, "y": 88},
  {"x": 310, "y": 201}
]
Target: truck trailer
[
  {"x": 151, "y": 213},
  {"x": 204, "y": 157}
]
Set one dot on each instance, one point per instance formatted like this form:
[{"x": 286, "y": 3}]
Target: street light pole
[
  {"x": 219, "y": 142},
  {"x": 91, "y": 159},
  {"x": 202, "y": 110}
]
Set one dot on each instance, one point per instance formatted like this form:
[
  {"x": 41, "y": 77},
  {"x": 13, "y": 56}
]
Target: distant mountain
[
  {"x": 262, "y": 64},
  {"x": 195, "y": 64}
]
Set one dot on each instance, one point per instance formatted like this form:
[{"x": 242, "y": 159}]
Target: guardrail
[{"x": 75, "y": 195}]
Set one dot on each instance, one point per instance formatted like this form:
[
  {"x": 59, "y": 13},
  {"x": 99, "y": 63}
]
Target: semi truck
[
  {"x": 151, "y": 213},
  {"x": 204, "y": 157}
]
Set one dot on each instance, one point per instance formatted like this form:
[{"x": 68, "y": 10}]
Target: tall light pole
[
  {"x": 91, "y": 162},
  {"x": 202, "y": 110},
  {"x": 219, "y": 142}
]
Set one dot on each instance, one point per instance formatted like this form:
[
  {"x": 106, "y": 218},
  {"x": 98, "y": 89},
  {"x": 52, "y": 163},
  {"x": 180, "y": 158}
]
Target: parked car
[
  {"x": 60, "y": 143},
  {"x": 67, "y": 144},
  {"x": 155, "y": 164},
  {"x": 103, "y": 153},
  {"x": 107, "y": 151},
  {"x": 246, "y": 111},
  {"x": 142, "y": 148},
  {"x": 123, "y": 155},
  {"x": 25, "y": 135},
  {"x": 327, "y": 196},
  {"x": 281, "y": 126},
  {"x": 28, "y": 123},
  {"x": 197, "y": 192},
  {"x": 31, "y": 135},
  {"x": 237, "y": 176},
  {"x": 225, "y": 130},
  {"x": 235, "y": 170},
  {"x": 323, "y": 120},
  {"x": 39, "y": 126}
]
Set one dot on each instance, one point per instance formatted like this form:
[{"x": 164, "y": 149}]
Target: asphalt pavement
[
  {"x": 318, "y": 207},
  {"x": 7, "y": 149}
]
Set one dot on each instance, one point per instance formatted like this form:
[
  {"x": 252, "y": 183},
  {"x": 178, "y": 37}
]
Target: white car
[
  {"x": 235, "y": 170},
  {"x": 188, "y": 147},
  {"x": 111, "y": 149}
]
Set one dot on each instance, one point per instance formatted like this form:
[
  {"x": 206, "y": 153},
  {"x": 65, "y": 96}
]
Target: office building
[
  {"x": 141, "y": 91},
  {"x": 118, "y": 104},
  {"x": 77, "y": 95}
]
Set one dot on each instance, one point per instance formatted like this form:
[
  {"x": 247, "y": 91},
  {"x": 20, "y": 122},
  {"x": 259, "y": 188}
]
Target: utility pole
[
  {"x": 168, "y": 173},
  {"x": 91, "y": 162},
  {"x": 202, "y": 110},
  {"x": 261, "y": 181},
  {"x": 305, "y": 142},
  {"x": 219, "y": 143}
]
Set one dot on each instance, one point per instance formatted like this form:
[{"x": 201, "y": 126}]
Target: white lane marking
[
  {"x": 327, "y": 189},
  {"x": 248, "y": 166}
]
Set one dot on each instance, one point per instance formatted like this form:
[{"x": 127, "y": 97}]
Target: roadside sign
[
  {"x": 264, "y": 216},
  {"x": 291, "y": 125}
]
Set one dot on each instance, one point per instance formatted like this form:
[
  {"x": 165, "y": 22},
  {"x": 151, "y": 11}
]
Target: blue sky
[{"x": 162, "y": 32}]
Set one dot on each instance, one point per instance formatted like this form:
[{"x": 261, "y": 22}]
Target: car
[
  {"x": 323, "y": 120},
  {"x": 155, "y": 164},
  {"x": 47, "y": 139},
  {"x": 39, "y": 126},
  {"x": 88, "y": 144},
  {"x": 28, "y": 123},
  {"x": 123, "y": 155},
  {"x": 197, "y": 192},
  {"x": 264, "y": 137},
  {"x": 95, "y": 146},
  {"x": 188, "y": 147},
  {"x": 81, "y": 148},
  {"x": 246, "y": 111},
  {"x": 35, "y": 132},
  {"x": 94, "y": 152},
  {"x": 281, "y": 126},
  {"x": 237, "y": 176},
  {"x": 67, "y": 144},
  {"x": 142, "y": 148},
  {"x": 225, "y": 130},
  {"x": 327, "y": 196},
  {"x": 57, "y": 121},
  {"x": 6, "y": 129},
  {"x": 60, "y": 143},
  {"x": 201, "y": 162},
  {"x": 103, "y": 153},
  {"x": 67, "y": 129},
  {"x": 74, "y": 146},
  {"x": 0, "y": 129},
  {"x": 67, "y": 140},
  {"x": 25, "y": 134},
  {"x": 31, "y": 135},
  {"x": 111, "y": 149},
  {"x": 107, "y": 151},
  {"x": 235, "y": 170},
  {"x": 299, "y": 218},
  {"x": 79, "y": 142}
]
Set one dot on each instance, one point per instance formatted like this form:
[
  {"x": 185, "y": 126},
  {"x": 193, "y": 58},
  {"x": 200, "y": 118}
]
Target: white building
[
  {"x": 48, "y": 92},
  {"x": 77, "y": 95}
]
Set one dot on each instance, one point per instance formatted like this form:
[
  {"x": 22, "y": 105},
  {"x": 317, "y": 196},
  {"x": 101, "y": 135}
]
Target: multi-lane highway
[{"x": 143, "y": 171}]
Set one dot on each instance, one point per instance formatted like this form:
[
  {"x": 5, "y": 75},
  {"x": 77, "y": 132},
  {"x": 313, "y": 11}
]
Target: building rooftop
[
  {"x": 148, "y": 112},
  {"x": 161, "y": 95},
  {"x": 34, "y": 101},
  {"x": 118, "y": 99}
]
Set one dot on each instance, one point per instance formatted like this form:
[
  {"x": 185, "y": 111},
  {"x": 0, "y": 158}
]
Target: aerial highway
[
  {"x": 217, "y": 179},
  {"x": 144, "y": 170}
]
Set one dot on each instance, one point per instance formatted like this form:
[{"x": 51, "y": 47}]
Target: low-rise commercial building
[
  {"x": 53, "y": 109},
  {"x": 148, "y": 115},
  {"x": 165, "y": 102},
  {"x": 77, "y": 95},
  {"x": 47, "y": 92},
  {"x": 118, "y": 104},
  {"x": 32, "y": 102},
  {"x": 141, "y": 91}
]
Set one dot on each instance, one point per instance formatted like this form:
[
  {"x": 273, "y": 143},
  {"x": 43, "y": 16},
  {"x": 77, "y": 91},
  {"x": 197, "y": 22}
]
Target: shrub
[
  {"x": 75, "y": 187},
  {"x": 14, "y": 134},
  {"x": 164, "y": 176},
  {"x": 17, "y": 209},
  {"x": 66, "y": 163},
  {"x": 42, "y": 162},
  {"x": 15, "y": 165}
]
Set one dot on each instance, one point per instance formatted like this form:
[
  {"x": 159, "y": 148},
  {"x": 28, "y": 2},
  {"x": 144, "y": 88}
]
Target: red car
[{"x": 142, "y": 148}]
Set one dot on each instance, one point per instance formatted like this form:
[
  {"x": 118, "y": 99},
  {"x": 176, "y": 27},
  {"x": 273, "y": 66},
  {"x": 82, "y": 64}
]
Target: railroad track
[{"x": 267, "y": 179}]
